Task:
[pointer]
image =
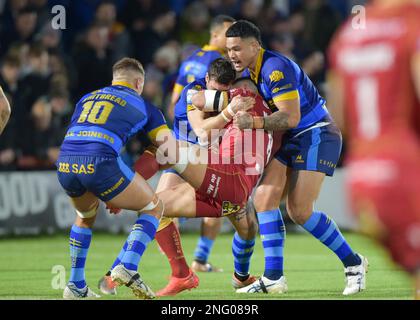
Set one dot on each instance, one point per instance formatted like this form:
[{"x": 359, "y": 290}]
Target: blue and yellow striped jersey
[
  {"x": 105, "y": 119},
  {"x": 279, "y": 78}
]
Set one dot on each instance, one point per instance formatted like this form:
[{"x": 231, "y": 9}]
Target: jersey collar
[
  {"x": 256, "y": 72},
  {"x": 208, "y": 47},
  {"x": 124, "y": 84}
]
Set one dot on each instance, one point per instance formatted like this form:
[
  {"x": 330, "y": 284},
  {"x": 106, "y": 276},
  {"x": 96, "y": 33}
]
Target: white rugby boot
[
  {"x": 355, "y": 277},
  {"x": 131, "y": 279},
  {"x": 71, "y": 292},
  {"x": 265, "y": 285}
]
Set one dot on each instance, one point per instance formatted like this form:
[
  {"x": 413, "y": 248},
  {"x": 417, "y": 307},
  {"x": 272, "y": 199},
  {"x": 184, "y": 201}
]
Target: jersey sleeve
[
  {"x": 184, "y": 77},
  {"x": 180, "y": 83},
  {"x": 280, "y": 79},
  {"x": 189, "y": 94},
  {"x": 155, "y": 121}
]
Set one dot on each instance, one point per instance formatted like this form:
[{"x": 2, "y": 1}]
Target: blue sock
[
  {"x": 273, "y": 234},
  {"x": 242, "y": 251},
  {"x": 79, "y": 246},
  {"x": 143, "y": 232},
  {"x": 120, "y": 256},
  {"x": 325, "y": 230},
  {"x": 203, "y": 249}
]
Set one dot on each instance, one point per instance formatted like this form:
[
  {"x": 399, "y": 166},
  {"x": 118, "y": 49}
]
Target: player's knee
[
  {"x": 155, "y": 208},
  {"x": 248, "y": 231},
  {"x": 299, "y": 212},
  {"x": 267, "y": 198},
  {"x": 88, "y": 214}
]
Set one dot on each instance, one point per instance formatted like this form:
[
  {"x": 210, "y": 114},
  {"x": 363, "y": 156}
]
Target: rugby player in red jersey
[
  {"x": 375, "y": 88},
  {"x": 219, "y": 183}
]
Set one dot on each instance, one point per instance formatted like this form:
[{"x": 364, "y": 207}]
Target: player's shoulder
[
  {"x": 274, "y": 65},
  {"x": 198, "y": 84}
]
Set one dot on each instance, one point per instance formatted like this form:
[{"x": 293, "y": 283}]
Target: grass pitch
[{"x": 312, "y": 271}]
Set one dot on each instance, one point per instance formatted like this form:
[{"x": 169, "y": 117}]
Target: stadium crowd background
[{"x": 44, "y": 71}]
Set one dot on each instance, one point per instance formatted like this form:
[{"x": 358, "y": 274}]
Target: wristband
[
  {"x": 224, "y": 116},
  {"x": 215, "y": 100},
  {"x": 229, "y": 109}
]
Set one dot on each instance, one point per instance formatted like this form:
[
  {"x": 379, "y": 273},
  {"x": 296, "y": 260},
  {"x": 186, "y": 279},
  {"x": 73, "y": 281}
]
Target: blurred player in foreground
[
  {"x": 4, "y": 110},
  {"x": 89, "y": 169},
  {"x": 375, "y": 87},
  {"x": 193, "y": 68},
  {"x": 310, "y": 151}
]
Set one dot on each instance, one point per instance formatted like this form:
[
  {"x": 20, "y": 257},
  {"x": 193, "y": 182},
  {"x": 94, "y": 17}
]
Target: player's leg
[
  {"x": 137, "y": 196},
  {"x": 210, "y": 228},
  {"x": 318, "y": 151},
  {"x": 243, "y": 242},
  {"x": 86, "y": 207},
  {"x": 167, "y": 235},
  {"x": 303, "y": 191},
  {"x": 266, "y": 200},
  {"x": 169, "y": 240}
]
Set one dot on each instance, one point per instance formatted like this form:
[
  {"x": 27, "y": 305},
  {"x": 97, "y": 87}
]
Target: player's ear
[
  {"x": 207, "y": 77},
  {"x": 255, "y": 45}
]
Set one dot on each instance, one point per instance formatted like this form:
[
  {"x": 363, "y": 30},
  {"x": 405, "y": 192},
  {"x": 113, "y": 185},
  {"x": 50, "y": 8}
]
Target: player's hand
[
  {"x": 239, "y": 103},
  {"x": 243, "y": 120},
  {"x": 113, "y": 210}
]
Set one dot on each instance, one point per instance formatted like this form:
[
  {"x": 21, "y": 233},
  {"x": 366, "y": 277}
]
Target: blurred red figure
[{"x": 375, "y": 87}]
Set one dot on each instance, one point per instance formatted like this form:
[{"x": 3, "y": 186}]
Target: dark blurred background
[{"x": 45, "y": 71}]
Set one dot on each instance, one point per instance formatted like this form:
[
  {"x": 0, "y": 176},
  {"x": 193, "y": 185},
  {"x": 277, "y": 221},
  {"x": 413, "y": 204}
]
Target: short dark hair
[
  {"x": 128, "y": 64},
  {"x": 244, "y": 29},
  {"x": 222, "y": 71},
  {"x": 219, "y": 20}
]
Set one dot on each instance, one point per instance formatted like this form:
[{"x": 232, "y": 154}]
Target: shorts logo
[
  {"x": 276, "y": 75},
  {"x": 299, "y": 159},
  {"x": 329, "y": 164},
  {"x": 229, "y": 208}
]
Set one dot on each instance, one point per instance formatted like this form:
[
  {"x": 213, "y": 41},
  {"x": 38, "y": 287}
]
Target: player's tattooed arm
[
  {"x": 277, "y": 121},
  {"x": 4, "y": 110},
  {"x": 287, "y": 117}
]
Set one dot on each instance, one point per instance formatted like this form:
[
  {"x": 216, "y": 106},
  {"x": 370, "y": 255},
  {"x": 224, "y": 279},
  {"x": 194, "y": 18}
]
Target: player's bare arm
[
  {"x": 4, "y": 110},
  {"x": 287, "y": 117},
  {"x": 203, "y": 125}
]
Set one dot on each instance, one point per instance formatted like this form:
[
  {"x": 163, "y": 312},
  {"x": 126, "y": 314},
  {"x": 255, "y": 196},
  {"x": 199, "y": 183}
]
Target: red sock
[{"x": 170, "y": 242}]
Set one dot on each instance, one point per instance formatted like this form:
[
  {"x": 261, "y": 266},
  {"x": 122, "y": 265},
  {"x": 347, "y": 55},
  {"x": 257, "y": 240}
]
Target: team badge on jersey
[
  {"x": 229, "y": 208},
  {"x": 276, "y": 75}
]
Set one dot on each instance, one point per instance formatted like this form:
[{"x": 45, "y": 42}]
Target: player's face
[
  {"x": 219, "y": 37},
  {"x": 242, "y": 52},
  {"x": 212, "y": 84}
]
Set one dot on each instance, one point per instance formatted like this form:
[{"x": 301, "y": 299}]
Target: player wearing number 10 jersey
[
  {"x": 376, "y": 71},
  {"x": 90, "y": 169}
]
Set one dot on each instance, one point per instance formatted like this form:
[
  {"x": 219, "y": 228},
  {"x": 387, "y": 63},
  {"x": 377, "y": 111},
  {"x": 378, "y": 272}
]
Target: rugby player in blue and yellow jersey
[
  {"x": 89, "y": 169},
  {"x": 195, "y": 66},
  {"x": 310, "y": 150}
]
